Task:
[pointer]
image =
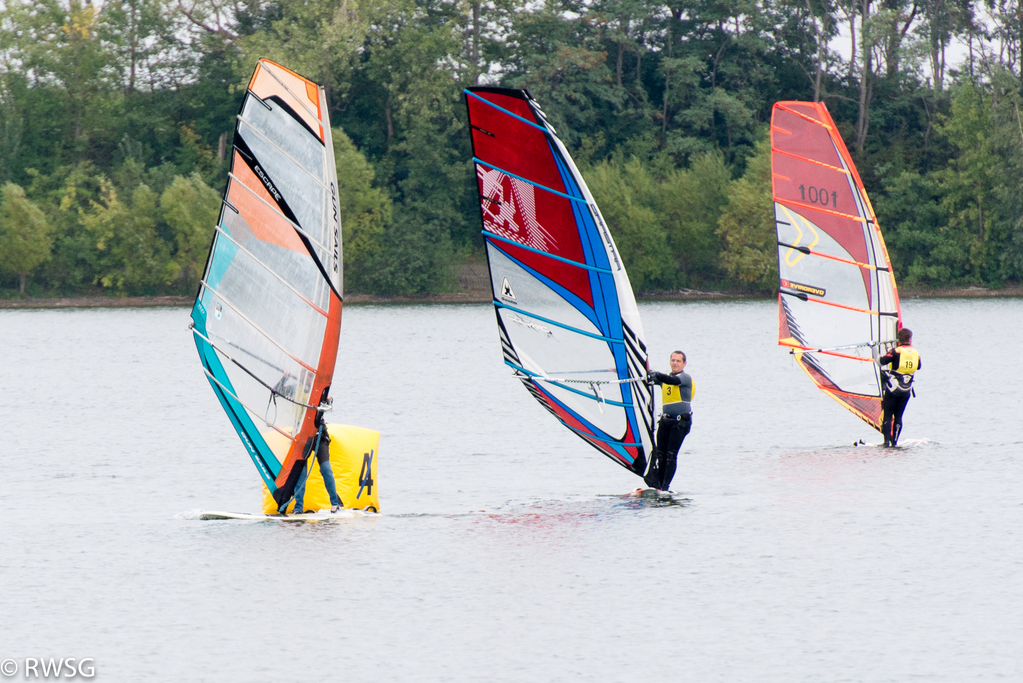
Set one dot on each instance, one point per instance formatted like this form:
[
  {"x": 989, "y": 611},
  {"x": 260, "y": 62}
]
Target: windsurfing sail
[
  {"x": 838, "y": 307},
  {"x": 267, "y": 317},
  {"x": 566, "y": 314}
]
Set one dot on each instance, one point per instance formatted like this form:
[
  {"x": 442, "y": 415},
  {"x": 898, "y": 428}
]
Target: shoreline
[{"x": 472, "y": 297}]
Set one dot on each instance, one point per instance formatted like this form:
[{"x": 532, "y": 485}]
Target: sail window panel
[
  {"x": 303, "y": 193},
  {"x": 234, "y": 338},
  {"x": 612, "y": 421},
  {"x": 268, "y": 304},
  {"x": 843, "y": 283},
  {"x": 538, "y": 220},
  {"x": 547, "y": 349},
  {"x": 850, "y": 376},
  {"x": 286, "y": 132},
  {"x": 822, "y": 233},
  {"x": 276, "y": 246},
  {"x": 826, "y": 327},
  {"x": 608, "y": 418},
  {"x": 268, "y": 412},
  {"x": 519, "y": 288}
]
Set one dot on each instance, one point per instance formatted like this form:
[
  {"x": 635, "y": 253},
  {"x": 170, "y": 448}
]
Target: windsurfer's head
[
  {"x": 677, "y": 361},
  {"x": 905, "y": 336}
]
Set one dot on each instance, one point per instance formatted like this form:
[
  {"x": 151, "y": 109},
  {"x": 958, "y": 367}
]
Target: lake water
[{"x": 505, "y": 551}]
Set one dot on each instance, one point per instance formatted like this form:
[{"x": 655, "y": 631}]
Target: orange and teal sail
[
  {"x": 838, "y": 306},
  {"x": 267, "y": 317}
]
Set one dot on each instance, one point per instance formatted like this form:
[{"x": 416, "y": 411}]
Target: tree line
[{"x": 116, "y": 119}]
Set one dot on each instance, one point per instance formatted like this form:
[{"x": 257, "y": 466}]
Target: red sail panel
[
  {"x": 512, "y": 208},
  {"x": 810, "y": 172}
]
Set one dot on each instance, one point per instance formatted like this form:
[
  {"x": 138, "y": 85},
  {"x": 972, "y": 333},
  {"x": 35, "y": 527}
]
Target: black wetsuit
[
  {"x": 675, "y": 423},
  {"x": 894, "y": 397}
]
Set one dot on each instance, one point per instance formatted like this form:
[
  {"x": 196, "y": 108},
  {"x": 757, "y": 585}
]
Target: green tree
[
  {"x": 627, "y": 196},
  {"x": 690, "y": 203},
  {"x": 25, "y": 240},
  {"x": 969, "y": 188},
  {"x": 131, "y": 257},
  {"x": 318, "y": 39},
  {"x": 913, "y": 221},
  {"x": 191, "y": 208},
  {"x": 747, "y": 226},
  {"x": 365, "y": 212}
]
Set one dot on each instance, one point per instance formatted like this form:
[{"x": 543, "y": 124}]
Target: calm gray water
[{"x": 505, "y": 552}]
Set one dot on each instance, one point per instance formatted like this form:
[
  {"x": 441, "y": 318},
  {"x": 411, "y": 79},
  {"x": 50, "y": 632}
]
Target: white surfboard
[{"x": 260, "y": 517}]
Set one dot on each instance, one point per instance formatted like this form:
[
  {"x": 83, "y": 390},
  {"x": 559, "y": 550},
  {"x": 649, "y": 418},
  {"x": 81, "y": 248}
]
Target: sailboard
[
  {"x": 566, "y": 314},
  {"x": 267, "y": 316},
  {"x": 322, "y": 516},
  {"x": 838, "y": 305}
]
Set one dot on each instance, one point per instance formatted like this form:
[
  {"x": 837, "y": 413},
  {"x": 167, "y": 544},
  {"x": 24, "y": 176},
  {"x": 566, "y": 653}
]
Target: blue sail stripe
[
  {"x": 260, "y": 452},
  {"x": 528, "y": 181},
  {"x": 603, "y": 286},
  {"x": 511, "y": 114},
  {"x": 568, "y": 388},
  {"x": 498, "y": 304},
  {"x": 495, "y": 236}
]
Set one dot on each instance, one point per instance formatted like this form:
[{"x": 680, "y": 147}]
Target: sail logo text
[
  {"x": 266, "y": 181},
  {"x": 605, "y": 234},
  {"x": 65, "y": 667},
  {"x": 337, "y": 226},
  {"x": 531, "y": 325},
  {"x": 816, "y": 291}
]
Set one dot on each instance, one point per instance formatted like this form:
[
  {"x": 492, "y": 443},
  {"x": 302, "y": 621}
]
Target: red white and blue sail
[
  {"x": 838, "y": 306},
  {"x": 267, "y": 317},
  {"x": 566, "y": 313}
]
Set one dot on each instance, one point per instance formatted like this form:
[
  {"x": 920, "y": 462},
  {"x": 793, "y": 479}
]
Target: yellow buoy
[{"x": 353, "y": 457}]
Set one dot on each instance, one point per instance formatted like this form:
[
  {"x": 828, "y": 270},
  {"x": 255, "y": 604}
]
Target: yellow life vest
[{"x": 909, "y": 360}]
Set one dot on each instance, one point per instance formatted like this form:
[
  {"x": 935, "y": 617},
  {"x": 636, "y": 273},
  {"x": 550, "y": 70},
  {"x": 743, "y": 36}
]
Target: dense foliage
[{"x": 115, "y": 118}]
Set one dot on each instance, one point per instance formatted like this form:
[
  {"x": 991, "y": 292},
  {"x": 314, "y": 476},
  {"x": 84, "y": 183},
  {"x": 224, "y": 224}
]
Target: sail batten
[
  {"x": 267, "y": 315},
  {"x": 565, "y": 310},
  {"x": 586, "y": 266},
  {"x": 535, "y": 184},
  {"x": 837, "y": 299}
]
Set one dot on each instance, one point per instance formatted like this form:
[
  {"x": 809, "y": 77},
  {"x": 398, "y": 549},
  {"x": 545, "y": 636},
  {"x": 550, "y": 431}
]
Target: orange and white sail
[
  {"x": 267, "y": 317},
  {"x": 838, "y": 306}
]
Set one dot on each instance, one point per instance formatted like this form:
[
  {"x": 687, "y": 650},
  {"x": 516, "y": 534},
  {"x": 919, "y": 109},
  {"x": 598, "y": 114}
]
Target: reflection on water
[{"x": 508, "y": 549}]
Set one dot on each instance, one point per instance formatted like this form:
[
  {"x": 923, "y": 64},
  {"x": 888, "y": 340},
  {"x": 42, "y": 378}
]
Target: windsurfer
[
  {"x": 322, "y": 450},
  {"x": 676, "y": 420},
  {"x": 903, "y": 362}
]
